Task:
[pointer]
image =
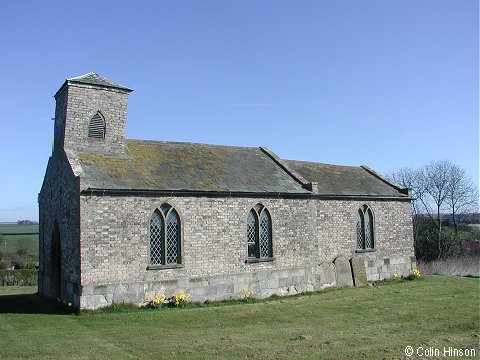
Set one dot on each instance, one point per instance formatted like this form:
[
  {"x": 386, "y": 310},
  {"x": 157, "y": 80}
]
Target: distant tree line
[
  {"x": 26, "y": 222},
  {"x": 444, "y": 200},
  {"x": 467, "y": 218}
]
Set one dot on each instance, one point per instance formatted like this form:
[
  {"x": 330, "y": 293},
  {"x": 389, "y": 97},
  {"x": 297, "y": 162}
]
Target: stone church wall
[
  {"x": 83, "y": 102},
  {"x": 308, "y": 235},
  {"x": 59, "y": 201},
  {"x": 393, "y": 252}
]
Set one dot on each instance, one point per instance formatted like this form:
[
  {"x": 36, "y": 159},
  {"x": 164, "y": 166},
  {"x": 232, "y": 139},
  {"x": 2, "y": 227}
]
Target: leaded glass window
[
  {"x": 156, "y": 238},
  {"x": 259, "y": 233},
  {"x": 165, "y": 236},
  {"x": 368, "y": 229},
  {"x": 173, "y": 237},
  {"x": 365, "y": 236},
  {"x": 251, "y": 233},
  {"x": 96, "y": 127},
  {"x": 360, "y": 230}
]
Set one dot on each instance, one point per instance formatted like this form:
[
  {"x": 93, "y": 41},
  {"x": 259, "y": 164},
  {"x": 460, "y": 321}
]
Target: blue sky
[{"x": 380, "y": 83}]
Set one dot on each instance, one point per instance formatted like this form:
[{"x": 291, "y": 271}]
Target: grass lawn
[
  {"x": 368, "y": 322},
  {"x": 17, "y": 290}
]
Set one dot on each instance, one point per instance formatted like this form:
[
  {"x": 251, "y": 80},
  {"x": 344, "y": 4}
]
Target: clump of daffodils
[
  {"x": 247, "y": 294},
  {"x": 414, "y": 275},
  {"x": 176, "y": 300},
  {"x": 159, "y": 300},
  {"x": 179, "y": 299},
  {"x": 395, "y": 276}
]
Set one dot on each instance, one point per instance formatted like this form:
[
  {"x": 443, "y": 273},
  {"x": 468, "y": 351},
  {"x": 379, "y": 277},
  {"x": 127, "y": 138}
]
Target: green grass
[
  {"x": 17, "y": 290},
  {"x": 10, "y": 244},
  {"x": 11, "y": 229},
  {"x": 465, "y": 233},
  {"x": 368, "y": 322}
]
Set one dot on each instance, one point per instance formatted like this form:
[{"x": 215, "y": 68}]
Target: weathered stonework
[
  {"x": 104, "y": 238},
  {"x": 115, "y": 240},
  {"x": 77, "y": 104},
  {"x": 358, "y": 271},
  {"x": 59, "y": 201},
  {"x": 343, "y": 272}
]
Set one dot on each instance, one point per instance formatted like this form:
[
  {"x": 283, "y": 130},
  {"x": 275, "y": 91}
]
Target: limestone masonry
[{"x": 122, "y": 220}]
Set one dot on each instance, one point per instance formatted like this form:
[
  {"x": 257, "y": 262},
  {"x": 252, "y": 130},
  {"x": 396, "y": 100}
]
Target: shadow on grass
[{"x": 31, "y": 304}]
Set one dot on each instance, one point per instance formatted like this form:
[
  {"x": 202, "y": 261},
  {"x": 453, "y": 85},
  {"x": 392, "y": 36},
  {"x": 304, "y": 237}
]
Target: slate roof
[
  {"x": 338, "y": 180},
  {"x": 168, "y": 166},
  {"x": 93, "y": 78},
  {"x": 175, "y": 166}
]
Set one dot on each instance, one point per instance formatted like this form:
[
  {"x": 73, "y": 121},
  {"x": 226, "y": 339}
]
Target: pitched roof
[
  {"x": 158, "y": 165},
  {"x": 93, "y": 78},
  {"x": 338, "y": 180}
]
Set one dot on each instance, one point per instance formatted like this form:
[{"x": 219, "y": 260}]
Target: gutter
[{"x": 234, "y": 194}]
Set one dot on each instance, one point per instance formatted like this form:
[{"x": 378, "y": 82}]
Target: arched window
[
  {"x": 96, "y": 127},
  {"x": 365, "y": 237},
  {"x": 165, "y": 236},
  {"x": 259, "y": 233}
]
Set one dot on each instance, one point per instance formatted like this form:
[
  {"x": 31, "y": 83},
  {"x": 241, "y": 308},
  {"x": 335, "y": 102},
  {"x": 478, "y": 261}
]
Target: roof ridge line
[
  {"x": 95, "y": 79},
  {"x": 405, "y": 191},
  {"x": 299, "y": 178},
  {"x": 192, "y": 143},
  {"x": 322, "y": 163}
]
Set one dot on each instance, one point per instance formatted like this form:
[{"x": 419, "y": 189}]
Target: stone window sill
[
  {"x": 258, "y": 260},
  {"x": 162, "y": 267},
  {"x": 360, "y": 251}
]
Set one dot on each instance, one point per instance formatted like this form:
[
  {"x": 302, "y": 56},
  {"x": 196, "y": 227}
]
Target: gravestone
[
  {"x": 359, "y": 272},
  {"x": 327, "y": 275},
  {"x": 343, "y": 272}
]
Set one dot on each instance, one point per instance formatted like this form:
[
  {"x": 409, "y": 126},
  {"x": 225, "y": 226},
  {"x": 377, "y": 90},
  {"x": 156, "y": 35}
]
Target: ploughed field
[{"x": 373, "y": 322}]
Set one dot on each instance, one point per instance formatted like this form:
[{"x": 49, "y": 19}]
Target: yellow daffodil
[{"x": 247, "y": 294}]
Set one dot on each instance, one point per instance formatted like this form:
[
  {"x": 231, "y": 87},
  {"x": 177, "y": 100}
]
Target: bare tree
[
  {"x": 407, "y": 177},
  {"x": 462, "y": 195},
  {"x": 439, "y": 187},
  {"x": 432, "y": 193}
]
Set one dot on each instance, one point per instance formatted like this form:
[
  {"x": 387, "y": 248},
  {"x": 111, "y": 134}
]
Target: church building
[{"x": 122, "y": 220}]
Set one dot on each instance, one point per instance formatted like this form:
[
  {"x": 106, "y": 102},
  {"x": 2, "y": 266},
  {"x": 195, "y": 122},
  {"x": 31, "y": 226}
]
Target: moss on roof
[
  {"x": 157, "y": 165},
  {"x": 174, "y": 166},
  {"x": 344, "y": 180}
]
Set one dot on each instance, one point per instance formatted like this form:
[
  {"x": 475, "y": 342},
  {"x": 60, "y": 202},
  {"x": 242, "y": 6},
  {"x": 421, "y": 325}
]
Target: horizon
[{"x": 387, "y": 85}]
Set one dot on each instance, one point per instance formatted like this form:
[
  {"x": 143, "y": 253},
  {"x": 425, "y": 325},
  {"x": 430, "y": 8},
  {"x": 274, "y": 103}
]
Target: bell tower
[{"x": 90, "y": 115}]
